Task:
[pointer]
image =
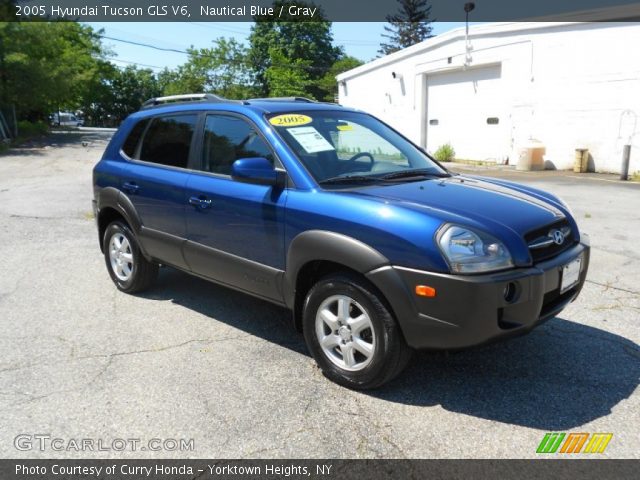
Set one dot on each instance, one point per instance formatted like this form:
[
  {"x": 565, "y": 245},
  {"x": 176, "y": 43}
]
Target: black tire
[
  {"x": 142, "y": 272},
  {"x": 390, "y": 352}
]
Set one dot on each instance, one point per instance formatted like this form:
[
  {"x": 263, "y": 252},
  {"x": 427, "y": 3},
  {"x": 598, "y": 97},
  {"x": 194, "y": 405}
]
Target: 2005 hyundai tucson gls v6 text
[{"x": 375, "y": 247}]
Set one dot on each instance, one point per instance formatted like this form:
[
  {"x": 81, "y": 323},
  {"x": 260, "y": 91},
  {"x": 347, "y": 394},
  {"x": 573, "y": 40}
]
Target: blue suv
[{"x": 375, "y": 247}]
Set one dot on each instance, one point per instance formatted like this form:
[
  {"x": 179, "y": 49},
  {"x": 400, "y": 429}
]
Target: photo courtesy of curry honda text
[{"x": 375, "y": 247}]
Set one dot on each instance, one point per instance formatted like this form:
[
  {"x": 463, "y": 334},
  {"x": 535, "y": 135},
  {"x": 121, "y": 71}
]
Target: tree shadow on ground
[
  {"x": 560, "y": 376},
  {"x": 80, "y": 138}
]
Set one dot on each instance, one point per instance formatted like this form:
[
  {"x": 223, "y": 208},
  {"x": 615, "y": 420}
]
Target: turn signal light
[{"x": 425, "y": 291}]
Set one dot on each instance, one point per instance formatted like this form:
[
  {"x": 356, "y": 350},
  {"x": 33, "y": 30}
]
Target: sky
[{"x": 360, "y": 40}]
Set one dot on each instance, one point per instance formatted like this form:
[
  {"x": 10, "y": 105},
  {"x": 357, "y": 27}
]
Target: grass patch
[
  {"x": 478, "y": 163},
  {"x": 26, "y": 131}
]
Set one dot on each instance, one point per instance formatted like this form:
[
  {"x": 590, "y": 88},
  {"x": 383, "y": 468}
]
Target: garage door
[{"x": 465, "y": 109}]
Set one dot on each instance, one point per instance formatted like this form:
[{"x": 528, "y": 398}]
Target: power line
[
  {"x": 196, "y": 53},
  {"x": 130, "y": 62},
  {"x": 137, "y": 36},
  {"x": 218, "y": 27},
  {"x": 356, "y": 43},
  {"x": 147, "y": 45},
  {"x": 360, "y": 43}
]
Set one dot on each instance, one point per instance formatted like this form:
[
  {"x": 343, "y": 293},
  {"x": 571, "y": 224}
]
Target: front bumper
[{"x": 471, "y": 310}]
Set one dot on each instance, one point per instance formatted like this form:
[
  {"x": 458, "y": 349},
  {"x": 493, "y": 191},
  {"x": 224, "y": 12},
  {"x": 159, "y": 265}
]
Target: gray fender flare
[
  {"x": 314, "y": 245},
  {"x": 111, "y": 197}
]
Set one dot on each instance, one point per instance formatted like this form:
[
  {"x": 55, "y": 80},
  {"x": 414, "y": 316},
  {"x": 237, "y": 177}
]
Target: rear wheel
[
  {"x": 352, "y": 334},
  {"x": 128, "y": 268}
]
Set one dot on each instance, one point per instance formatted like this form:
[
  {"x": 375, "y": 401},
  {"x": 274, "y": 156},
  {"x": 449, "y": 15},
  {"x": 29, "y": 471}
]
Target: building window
[
  {"x": 493, "y": 121},
  {"x": 434, "y": 121}
]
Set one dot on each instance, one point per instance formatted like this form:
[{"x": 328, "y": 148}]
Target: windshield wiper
[
  {"x": 418, "y": 172},
  {"x": 415, "y": 173},
  {"x": 349, "y": 179}
]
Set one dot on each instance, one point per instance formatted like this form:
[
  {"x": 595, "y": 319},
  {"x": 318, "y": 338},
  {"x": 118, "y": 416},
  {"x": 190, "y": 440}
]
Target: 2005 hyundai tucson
[{"x": 375, "y": 247}]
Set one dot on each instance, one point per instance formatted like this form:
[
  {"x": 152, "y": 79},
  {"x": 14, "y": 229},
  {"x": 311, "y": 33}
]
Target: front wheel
[
  {"x": 352, "y": 334},
  {"x": 128, "y": 268}
]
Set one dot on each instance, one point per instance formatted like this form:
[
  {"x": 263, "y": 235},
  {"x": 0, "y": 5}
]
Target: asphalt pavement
[{"x": 227, "y": 375}]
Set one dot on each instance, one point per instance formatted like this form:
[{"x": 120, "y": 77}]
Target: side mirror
[{"x": 257, "y": 170}]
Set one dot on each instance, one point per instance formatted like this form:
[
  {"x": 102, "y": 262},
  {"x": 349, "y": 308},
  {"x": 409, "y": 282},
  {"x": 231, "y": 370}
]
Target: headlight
[{"x": 471, "y": 251}]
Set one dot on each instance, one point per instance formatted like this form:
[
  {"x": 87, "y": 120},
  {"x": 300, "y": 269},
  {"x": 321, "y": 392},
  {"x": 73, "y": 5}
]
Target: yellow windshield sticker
[
  {"x": 290, "y": 120},
  {"x": 345, "y": 128}
]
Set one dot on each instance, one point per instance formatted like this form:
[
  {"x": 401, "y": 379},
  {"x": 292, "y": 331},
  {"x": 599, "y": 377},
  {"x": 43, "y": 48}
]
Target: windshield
[{"x": 335, "y": 145}]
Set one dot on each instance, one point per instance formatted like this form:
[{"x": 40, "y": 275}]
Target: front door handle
[
  {"x": 130, "y": 187},
  {"x": 200, "y": 202}
]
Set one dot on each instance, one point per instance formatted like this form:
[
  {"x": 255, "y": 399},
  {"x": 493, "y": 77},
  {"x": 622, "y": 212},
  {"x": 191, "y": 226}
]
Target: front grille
[{"x": 541, "y": 245}]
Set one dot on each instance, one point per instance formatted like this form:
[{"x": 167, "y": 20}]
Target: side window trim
[
  {"x": 136, "y": 154},
  {"x": 136, "y": 149},
  {"x": 197, "y": 144}
]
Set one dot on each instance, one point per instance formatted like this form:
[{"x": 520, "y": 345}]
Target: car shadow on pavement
[
  {"x": 560, "y": 376},
  {"x": 238, "y": 310}
]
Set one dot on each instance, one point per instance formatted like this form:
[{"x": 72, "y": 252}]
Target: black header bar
[
  {"x": 333, "y": 10},
  {"x": 585, "y": 469}
]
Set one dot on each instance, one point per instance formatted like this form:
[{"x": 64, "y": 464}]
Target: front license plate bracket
[{"x": 570, "y": 274}]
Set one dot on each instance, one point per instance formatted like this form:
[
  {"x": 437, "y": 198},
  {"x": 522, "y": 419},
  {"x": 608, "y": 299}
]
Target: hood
[{"x": 471, "y": 201}]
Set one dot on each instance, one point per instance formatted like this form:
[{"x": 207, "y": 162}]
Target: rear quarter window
[{"x": 131, "y": 143}]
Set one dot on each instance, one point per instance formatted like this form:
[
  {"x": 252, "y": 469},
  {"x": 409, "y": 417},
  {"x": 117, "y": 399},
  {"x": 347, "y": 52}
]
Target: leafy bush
[
  {"x": 445, "y": 153},
  {"x": 32, "y": 129}
]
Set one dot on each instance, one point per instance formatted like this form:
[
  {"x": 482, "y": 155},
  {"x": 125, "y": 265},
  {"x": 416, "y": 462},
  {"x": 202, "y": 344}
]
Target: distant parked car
[
  {"x": 66, "y": 119},
  {"x": 375, "y": 247}
]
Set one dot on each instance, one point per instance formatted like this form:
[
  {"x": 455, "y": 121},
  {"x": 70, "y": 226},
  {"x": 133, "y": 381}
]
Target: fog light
[{"x": 509, "y": 292}]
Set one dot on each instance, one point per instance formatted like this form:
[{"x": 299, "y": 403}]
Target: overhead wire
[{"x": 195, "y": 52}]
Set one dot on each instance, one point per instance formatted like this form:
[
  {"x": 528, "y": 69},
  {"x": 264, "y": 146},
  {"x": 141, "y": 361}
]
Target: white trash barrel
[{"x": 530, "y": 155}]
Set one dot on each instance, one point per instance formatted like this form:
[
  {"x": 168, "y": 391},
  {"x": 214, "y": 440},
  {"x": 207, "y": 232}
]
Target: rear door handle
[
  {"x": 200, "y": 202},
  {"x": 130, "y": 187}
]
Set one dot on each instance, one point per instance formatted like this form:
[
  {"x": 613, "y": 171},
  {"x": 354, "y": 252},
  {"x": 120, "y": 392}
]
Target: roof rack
[
  {"x": 189, "y": 97},
  {"x": 283, "y": 99}
]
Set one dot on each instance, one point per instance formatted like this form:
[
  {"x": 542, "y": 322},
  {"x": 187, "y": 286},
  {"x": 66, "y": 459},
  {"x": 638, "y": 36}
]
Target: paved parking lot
[{"x": 191, "y": 360}]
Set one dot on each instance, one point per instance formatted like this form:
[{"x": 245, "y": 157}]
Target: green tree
[
  {"x": 181, "y": 80},
  {"x": 304, "y": 46},
  {"x": 287, "y": 78},
  {"x": 130, "y": 88},
  {"x": 47, "y": 66},
  {"x": 409, "y": 26},
  {"x": 7, "y": 10},
  {"x": 98, "y": 101},
  {"x": 222, "y": 69},
  {"x": 329, "y": 84}
]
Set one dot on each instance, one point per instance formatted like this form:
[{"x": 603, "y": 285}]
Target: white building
[{"x": 567, "y": 85}]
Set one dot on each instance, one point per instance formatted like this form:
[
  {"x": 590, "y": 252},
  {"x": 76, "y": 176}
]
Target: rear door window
[{"x": 168, "y": 140}]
